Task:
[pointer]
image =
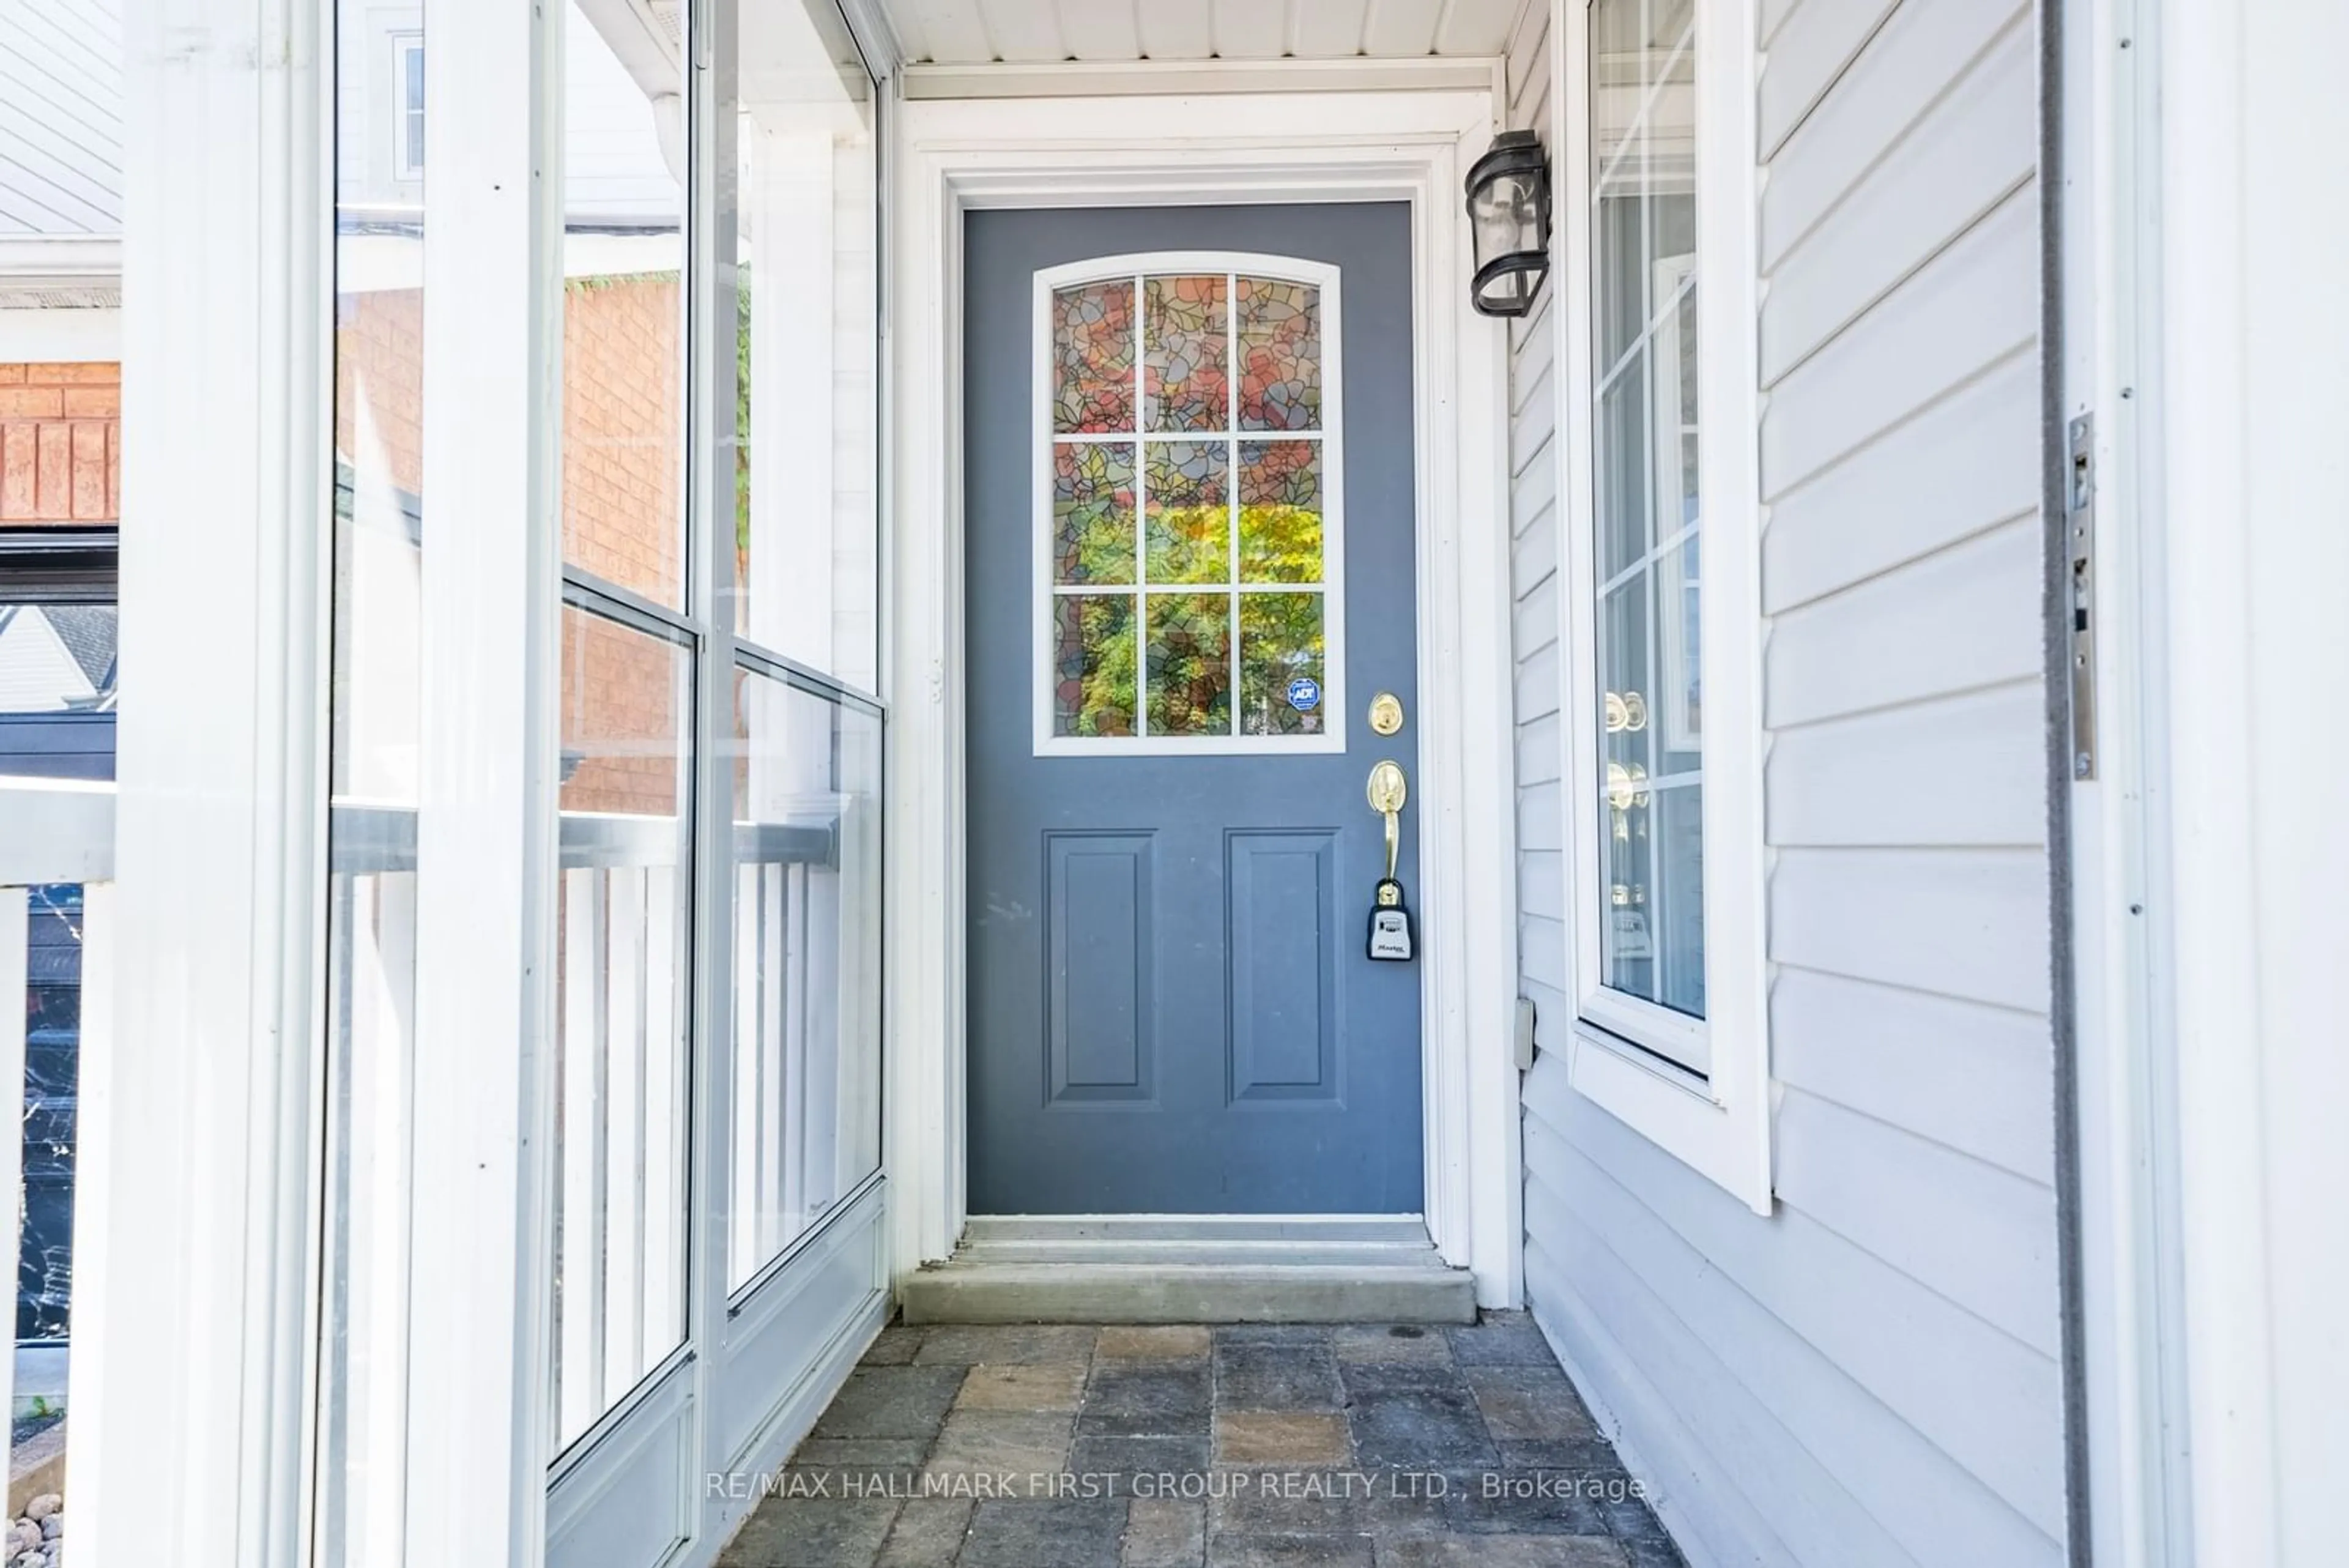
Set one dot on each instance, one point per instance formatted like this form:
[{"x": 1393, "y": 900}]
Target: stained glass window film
[
  {"x": 1093, "y": 513},
  {"x": 1280, "y": 644},
  {"x": 1280, "y": 355},
  {"x": 1093, "y": 653},
  {"x": 1189, "y": 664},
  {"x": 1092, "y": 357},
  {"x": 1186, "y": 382},
  {"x": 1280, "y": 511},
  {"x": 1189, "y": 531},
  {"x": 1191, "y": 522}
]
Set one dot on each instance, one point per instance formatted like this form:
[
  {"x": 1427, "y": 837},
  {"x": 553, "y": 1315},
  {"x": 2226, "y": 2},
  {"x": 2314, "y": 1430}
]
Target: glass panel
[
  {"x": 1677, "y": 914},
  {"x": 1618, "y": 219},
  {"x": 371, "y": 1130},
  {"x": 376, "y": 527},
  {"x": 1646, "y": 485},
  {"x": 44, "y": 929},
  {"x": 411, "y": 118},
  {"x": 1187, "y": 511},
  {"x": 1622, "y": 460},
  {"x": 623, "y": 982},
  {"x": 1093, "y": 357},
  {"x": 1624, "y": 709},
  {"x": 1280, "y": 355},
  {"x": 623, "y": 310},
  {"x": 57, "y": 666},
  {"x": 1628, "y": 946},
  {"x": 1280, "y": 511},
  {"x": 1093, "y": 513},
  {"x": 1280, "y": 649},
  {"x": 55, "y": 917},
  {"x": 1093, "y": 664},
  {"x": 806, "y": 1093},
  {"x": 1186, "y": 332},
  {"x": 804, "y": 250},
  {"x": 1189, "y": 664},
  {"x": 1679, "y": 700}
]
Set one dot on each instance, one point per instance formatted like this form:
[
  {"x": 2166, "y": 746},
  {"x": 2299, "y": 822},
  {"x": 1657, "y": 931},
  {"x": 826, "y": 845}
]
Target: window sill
[{"x": 1706, "y": 1123}]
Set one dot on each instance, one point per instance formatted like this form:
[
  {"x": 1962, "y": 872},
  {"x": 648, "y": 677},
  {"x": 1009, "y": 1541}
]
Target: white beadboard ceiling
[
  {"x": 978, "y": 32},
  {"x": 60, "y": 119}
]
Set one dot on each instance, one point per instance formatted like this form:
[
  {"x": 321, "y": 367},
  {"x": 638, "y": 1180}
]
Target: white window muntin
[
  {"x": 408, "y": 88},
  {"x": 1232, "y": 265}
]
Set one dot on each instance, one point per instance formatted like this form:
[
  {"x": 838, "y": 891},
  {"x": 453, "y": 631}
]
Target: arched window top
[{"x": 1186, "y": 342}]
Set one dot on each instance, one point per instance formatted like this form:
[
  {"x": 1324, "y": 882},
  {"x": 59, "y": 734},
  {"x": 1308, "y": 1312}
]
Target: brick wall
[
  {"x": 622, "y": 417},
  {"x": 60, "y": 443},
  {"x": 380, "y": 360},
  {"x": 623, "y": 425},
  {"x": 622, "y": 451}
]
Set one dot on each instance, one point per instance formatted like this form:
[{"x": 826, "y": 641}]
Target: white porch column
[
  {"x": 2255, "y": 483},
  {"x": 479, "y": 1436},
  {"x": 186, "y": 1418}
]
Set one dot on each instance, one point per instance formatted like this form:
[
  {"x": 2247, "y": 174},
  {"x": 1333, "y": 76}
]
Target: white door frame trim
[{"x": 953, "y": 156}]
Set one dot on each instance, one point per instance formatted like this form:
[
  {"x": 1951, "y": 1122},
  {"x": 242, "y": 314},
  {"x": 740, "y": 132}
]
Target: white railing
[
  {"x": 623, "y": 1135},
  {"x": 801, "y": 1087},
  {"x": 620, "y": 1181},
  {"x": 804, "y": 938},
  {"x": 371, "y": 1125},
  {"x": 54, "y": 834}
]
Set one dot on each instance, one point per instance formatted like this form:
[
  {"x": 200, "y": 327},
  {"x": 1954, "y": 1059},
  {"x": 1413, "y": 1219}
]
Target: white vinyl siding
[
  {"x": 1533, "y": 583},
  {"x": 1871, "y": 1376}
]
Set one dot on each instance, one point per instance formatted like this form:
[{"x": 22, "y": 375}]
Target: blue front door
[{"x": 1189, "y": 570}]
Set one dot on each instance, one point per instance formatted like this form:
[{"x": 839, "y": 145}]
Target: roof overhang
[{"x": 81, "y": 271}]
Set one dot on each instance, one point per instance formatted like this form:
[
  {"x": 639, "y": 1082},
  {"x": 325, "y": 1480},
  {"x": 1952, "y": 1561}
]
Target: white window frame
[
  {"x": 1699, "y": 1089},
  {"x": 407, "y": 55},
  {"x": 1330, "y": 434}
]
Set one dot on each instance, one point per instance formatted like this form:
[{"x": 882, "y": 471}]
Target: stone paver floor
[{"x": 1354, "y": 1446}]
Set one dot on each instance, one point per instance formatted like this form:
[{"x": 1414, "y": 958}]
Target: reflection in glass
[
  {"x": 1187, "y": 520},
  {"x": 1186, "y": 335},
  {"x": 1280, "y": 355},
  {"x": 1189, "y": 664},
  {"x": 1280, "y": 511},
  {"x": 806, "y": 1093},
  {"x": 623, "y": 982},
  {"x": 806, "y": 398},
  {"x": 1093, "y": 513},
  {"x": 1646, "y": 499},
  {"x": 623, "y": 305},
  {"x": 1094, "y": 662},
  {"x": 377, "y": 530},
  {"x": 1678, "y": 914},
  {"x": 1093, "y": 357},
  {"x": 1280, "y": 643}
]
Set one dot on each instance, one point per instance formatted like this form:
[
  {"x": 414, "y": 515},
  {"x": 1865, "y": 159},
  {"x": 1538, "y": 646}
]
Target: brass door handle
[{"x": 1388, "y": 790}]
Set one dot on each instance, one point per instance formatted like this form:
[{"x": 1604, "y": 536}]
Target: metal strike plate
[{"x": 2080, "y": 546}]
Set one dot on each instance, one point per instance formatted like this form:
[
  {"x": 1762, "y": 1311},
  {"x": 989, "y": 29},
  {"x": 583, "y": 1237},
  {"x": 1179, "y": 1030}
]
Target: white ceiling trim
[
  {"x": 1037, "y": 32},
  {"x": 1069, "y": 78}
]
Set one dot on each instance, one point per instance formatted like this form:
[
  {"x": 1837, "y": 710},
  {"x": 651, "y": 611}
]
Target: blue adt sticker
[{"x": 1304, "y": 693}]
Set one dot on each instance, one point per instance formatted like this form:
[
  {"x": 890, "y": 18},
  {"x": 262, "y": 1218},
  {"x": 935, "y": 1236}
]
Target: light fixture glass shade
[{"x": 1508, "y": 216}]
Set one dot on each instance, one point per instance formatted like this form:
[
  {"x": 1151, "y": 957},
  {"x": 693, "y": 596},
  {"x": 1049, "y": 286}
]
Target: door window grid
[{"x": 1138, "y": 410}]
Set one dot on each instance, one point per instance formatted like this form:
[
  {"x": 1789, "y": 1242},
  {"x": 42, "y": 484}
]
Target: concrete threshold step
[{"x": 1162, "y": 1269}]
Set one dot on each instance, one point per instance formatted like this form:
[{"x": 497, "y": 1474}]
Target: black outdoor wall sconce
[{"x": 1509, "y": 209}]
